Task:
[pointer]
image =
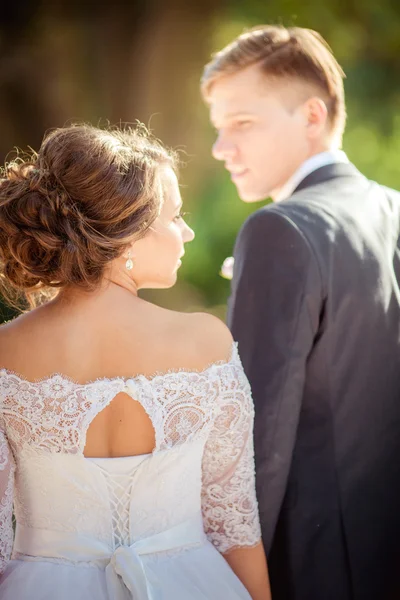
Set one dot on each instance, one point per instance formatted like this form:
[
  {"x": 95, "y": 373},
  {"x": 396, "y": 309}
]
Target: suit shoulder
[
  {"x": 272, "y": 220},
  {"x": 310, "y": 212}
]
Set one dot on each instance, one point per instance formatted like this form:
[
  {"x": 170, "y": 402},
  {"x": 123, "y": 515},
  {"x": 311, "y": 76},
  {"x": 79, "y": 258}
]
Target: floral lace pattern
[
  {"x": 229, "y": 506},
  {"x": 7, "y": 469},
  {"x": 214, "y": 407}
]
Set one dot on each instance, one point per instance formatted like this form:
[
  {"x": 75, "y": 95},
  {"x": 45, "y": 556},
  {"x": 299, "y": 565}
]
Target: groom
[{"x": 315, "y": 307}]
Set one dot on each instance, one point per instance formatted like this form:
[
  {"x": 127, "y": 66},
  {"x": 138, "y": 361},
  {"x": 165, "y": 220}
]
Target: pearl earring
[{"x": 129, "y": 262}]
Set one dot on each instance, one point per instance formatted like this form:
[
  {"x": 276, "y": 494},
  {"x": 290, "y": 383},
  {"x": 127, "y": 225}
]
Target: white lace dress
[{"x": 147, "y": 527}]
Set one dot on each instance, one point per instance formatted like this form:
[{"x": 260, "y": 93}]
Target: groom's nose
[{"x": 223, "y": 148}]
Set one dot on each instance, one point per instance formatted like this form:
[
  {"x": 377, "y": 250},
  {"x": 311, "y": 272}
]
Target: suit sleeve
[{"x": 274, "y": 313}]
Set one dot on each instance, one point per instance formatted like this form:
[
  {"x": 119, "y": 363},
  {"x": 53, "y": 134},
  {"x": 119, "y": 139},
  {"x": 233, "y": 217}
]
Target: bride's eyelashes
[{"x": 180, "y": 216}]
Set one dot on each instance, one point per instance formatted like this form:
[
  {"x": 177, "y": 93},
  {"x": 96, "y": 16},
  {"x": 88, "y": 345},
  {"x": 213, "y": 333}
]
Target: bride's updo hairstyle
[{"x": 71, "y": 208}]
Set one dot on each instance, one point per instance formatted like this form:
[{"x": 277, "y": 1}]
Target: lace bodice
[{"x": 203, "y": 424}]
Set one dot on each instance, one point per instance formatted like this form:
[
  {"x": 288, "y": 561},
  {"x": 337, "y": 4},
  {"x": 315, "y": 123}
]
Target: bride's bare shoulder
[
  {"x": 211, "y": 339},
  {"x": 193, "y": 340},
  {"x": 10, "y": 333}
]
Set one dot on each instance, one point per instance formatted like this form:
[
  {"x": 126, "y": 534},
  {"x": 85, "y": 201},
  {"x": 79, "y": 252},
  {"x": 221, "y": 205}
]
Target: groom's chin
[{"x": 250, "y": 196}]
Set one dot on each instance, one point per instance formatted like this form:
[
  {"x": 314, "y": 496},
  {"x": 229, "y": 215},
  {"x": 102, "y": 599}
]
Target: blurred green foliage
[{"x": 145, "y": 62}]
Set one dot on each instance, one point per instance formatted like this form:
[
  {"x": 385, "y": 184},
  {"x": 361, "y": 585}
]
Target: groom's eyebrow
[{"x": 231, "y": 115}]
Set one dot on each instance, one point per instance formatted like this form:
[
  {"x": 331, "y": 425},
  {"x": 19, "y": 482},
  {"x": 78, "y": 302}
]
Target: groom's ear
[{"x": 316, "y": 116}]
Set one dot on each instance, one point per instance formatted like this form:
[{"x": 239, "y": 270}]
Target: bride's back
[{"x": 111, "y": 335}]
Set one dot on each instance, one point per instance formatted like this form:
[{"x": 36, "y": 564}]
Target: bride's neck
[{"x": 73, "y": 295}]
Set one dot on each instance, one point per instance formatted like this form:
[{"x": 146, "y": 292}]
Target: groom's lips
[{"x": 237, "y": 174}]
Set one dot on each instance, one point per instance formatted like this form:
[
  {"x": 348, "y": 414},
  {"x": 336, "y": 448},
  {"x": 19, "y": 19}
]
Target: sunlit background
[{"x": 119, "y": 61}]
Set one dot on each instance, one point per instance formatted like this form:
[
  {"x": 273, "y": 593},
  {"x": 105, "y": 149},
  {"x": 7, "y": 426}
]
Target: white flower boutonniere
[{"x": 227, "y": 268}]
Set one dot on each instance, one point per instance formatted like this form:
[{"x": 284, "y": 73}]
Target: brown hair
[
  {"x": 290, "y": 53},
  {"x": 73, "y": 207}
]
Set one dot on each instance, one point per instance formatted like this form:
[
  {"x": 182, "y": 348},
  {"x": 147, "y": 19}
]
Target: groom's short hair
[{"x": 291, "y": 53}]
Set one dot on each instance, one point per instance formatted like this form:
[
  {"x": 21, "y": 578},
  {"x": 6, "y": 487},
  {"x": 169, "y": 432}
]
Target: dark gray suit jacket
[{"x": 315, "y": 307}]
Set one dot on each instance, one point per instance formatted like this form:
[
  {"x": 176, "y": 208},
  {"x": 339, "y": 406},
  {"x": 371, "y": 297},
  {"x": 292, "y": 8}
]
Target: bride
[{"x": 126, "y": 445}]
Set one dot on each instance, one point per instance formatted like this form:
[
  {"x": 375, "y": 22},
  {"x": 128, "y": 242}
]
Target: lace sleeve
[
  {"x": 229, "y": 504},
  {"x": 7, "y": 469}
]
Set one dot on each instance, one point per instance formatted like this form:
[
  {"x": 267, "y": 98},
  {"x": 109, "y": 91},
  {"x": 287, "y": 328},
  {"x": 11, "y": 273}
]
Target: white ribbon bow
[
  {"x": 126, "y": 576},
  {"x": 125, "y": 572}
]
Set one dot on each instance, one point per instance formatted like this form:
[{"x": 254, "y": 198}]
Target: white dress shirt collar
[{"x": 311, "y": 164}]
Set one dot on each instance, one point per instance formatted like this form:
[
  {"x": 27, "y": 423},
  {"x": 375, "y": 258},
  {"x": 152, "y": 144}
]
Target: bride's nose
[{"x": 188, "y": 234}]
